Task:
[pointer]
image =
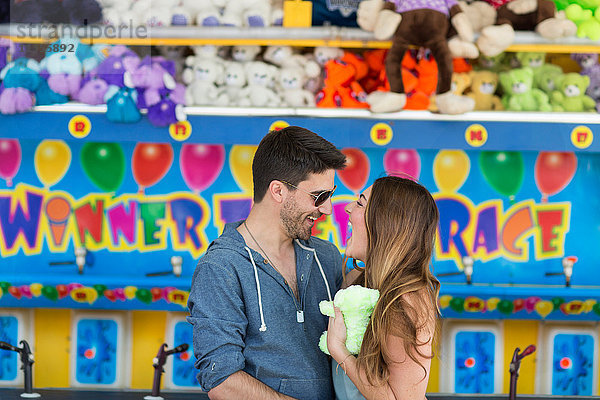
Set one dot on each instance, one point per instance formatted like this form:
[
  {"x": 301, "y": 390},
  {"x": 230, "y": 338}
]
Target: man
[{"x": 255, "y": 294}]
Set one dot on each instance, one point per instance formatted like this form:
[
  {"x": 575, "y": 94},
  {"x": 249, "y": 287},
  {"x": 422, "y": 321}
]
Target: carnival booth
[{"x": 106, "y": 207}]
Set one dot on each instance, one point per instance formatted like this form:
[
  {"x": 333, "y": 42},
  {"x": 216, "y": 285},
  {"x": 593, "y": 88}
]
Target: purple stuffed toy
[
  {"x": 20, "y": 79},
  {"x": 152, "y": 75},
  {"x": 9, "y": 52},
  {"x": 168, "y": 109},
  {"x": 120, "y": 59},
  {"x": 92, "y": 90},
  {"x": 587, "y": 61},
  {"x": 594, "y": 89}
]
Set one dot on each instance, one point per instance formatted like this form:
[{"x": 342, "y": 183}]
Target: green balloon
[
  {"x": 557, "y": 301},
  {"x": 50, "y": 292},
  {"x": 104, "y": 164},
  {"x": 503, "y": 170},
  {"x": 144, "y": 296},
  {"x": 596, "y": 308},
  {"x": 457, "y": 304},
  {"x": 505, "y": 306},
  {"x": 100, "y": 288},
  {"x": 4, "y": 286}
]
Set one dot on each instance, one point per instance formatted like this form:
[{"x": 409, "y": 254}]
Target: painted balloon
[
  {"x": 201, "y": 164},
  {"x": 400, "y": 162},
  {"x": 104, "y": 164},
  {"x": 356, "y": 173},
  {"x": 52, "y": 160},
  {"x": 554, "y": 171},
  {"x": 451, "y": 169},
  {"x": 150, "y": 163},
  {"x": 10, "y": 159},
  {"x": 503, "y": 170},
  {"x": 240, "y": 164}
]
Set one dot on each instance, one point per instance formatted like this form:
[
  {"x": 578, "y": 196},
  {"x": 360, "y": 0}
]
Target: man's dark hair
[{"x": 291, "y": 154}]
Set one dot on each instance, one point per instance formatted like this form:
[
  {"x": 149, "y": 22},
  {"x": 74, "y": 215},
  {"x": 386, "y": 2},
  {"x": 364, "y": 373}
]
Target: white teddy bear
[
  {"x": 203, "y": 78},
  {"x": 154, "y": 12},
  {"x": 291, "y": 81},
  {"x": 199, "y": 12},
  {"x": 116, "y": 12},
  {"x": 258, "y": 93},
  {"x": 245, "y": 53},
  {"x": 247, "y": 13},
  {"x": 235, "y": 80},
  {"x": 285, "y": 56},
  {"x": 323, "y": 54}
]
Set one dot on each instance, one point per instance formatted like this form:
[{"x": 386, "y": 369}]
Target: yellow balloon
[
  {"x": 445, "y": 301},
  {"x": 544, "y": 307},
  {"x": 240, "y": 164},
  {"x": 129, "y": 292},
  {"x": 36, "y": 289},
  {"x": 451, "y": 169},
  {"x": 52, "y": 160},
  {"x": 588, "y": 305},
  {"x": 492, "y": 303}
]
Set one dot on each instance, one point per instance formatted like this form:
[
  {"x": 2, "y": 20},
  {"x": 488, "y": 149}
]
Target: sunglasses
[{"x": 320, "y": 198}]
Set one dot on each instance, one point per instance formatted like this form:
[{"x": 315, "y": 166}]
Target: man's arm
[{"x": 242, "y": 386}]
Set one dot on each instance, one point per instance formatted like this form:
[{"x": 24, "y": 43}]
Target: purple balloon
[
  {"x": 201, "y": 164},
  {"x": 10, "y": 159}
]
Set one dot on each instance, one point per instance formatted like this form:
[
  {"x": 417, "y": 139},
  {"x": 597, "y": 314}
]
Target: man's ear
[{"x": 276, "y": 191}]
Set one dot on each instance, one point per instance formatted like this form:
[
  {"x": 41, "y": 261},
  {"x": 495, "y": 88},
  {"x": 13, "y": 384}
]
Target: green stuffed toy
[
  {"x": 570, "y": 94},
  {"x": 519, "y": 93},
  {"x": 532, "y": 60},
  {"x": 546, "y": 77},
  {"x": 356, "y": 304},
  {"x": 587, "y": 20}
]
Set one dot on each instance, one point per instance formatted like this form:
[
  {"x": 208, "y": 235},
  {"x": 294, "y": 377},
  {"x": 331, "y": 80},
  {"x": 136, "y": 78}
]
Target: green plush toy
[
  {"x": 356, "y": 304},
  {"x": 519, "y": 93},
  {"x": 546, "y": 77},
  {"x": 570, "y": 94},
  {"x": 587, "y": 20},
  {"x": 532, "y": 60}
]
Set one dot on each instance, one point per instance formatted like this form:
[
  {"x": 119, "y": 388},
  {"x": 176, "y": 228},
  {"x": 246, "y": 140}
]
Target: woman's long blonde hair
[{"x": 401, "y": 219}]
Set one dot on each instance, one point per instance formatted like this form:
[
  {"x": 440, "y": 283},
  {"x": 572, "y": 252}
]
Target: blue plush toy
[{"x": 121, "y": 103}]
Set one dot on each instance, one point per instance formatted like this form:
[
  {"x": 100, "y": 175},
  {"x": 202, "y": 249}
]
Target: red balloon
[
  {"x": 150, "y": 163},
  {"x": 109, "y": 294},
  {"x": 554, "y": 171},
  {"x": 356, "y": 173},
  {"x": 156, "y": 293},
  {"x": 62, "y": 290},
  {"x": 15, "y": 292}
]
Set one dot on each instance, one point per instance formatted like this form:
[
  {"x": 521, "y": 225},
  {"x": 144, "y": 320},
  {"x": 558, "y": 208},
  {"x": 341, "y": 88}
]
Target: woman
[{"x": 393, "y": 230}]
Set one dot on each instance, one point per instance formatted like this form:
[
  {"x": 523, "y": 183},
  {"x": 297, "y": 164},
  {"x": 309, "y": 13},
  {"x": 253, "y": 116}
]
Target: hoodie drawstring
[
  {"x": 320, "y": 266},
  {"x": 263, "y": 326}
]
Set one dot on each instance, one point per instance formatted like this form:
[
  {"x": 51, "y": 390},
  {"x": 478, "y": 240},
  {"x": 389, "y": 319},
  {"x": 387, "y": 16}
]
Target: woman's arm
[{"x": 407, "y": 380}]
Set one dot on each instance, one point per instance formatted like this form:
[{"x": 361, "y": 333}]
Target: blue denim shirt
[{"x": 245, "y": 317}]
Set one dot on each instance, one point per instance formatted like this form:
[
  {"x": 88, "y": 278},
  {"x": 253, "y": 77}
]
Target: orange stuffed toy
[{"x": 341, "y": 87}]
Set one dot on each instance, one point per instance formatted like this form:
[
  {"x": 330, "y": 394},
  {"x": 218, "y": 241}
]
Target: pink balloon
[
  {"x": 397, "y": 162},
  {"x": 201, "y": 164},
  {"x": 26, "y": 291},
  {"x": 119, "y": 294},
  {"x": 530, "y": 303},
  {"x": 10, "y": 159},
  {"x": 73, "y": 286}
]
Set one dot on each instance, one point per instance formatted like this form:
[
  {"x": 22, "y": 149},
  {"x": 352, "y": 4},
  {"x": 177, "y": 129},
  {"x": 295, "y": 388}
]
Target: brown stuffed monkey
[{"x": 423, "y": 23}]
